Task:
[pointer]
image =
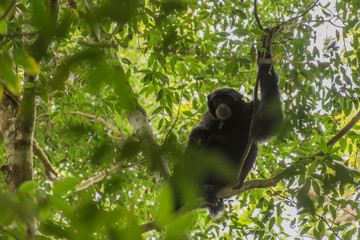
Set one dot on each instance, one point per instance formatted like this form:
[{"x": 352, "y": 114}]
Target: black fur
[
  {"x": 216, "y": 145},
  {"x": 224, "y": 130}
]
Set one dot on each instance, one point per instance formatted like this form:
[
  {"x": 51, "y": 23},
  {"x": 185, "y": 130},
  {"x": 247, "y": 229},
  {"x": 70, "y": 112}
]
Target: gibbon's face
[{"x": 222, "y": 101}]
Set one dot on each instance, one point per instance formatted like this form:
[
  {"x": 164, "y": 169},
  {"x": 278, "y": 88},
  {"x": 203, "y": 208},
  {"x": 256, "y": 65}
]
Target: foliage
[{"x": 104, "y": 57}]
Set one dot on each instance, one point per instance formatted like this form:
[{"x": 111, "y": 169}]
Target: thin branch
[
  {"x": 344, "y": 130},
  {"x": 349, "y": 214},
  {"x": 267, "y": 43},
  {"x": 341, "y": 133},
  {"x": 49, "y": 170},
  {"x": 99, "y": 177},
  {"x": 291, "y": 170},
  {"x": 250, "y": 139},
  {"x": 102, "y": 121},
  {"x": 285, "y": 41},
  {"x": 150, "y": 226},
  {"x": 107, "y": 172},
  {"x": 154, "y": 116},
  {"x": 17, "y": 34},
  {"x": 96, "y": 44},
  {"x": 95, "y": 119},
  {"x": 175, "y": 122},
  {"x": 41, "y": 115},
  {"x": 113, "y": 33},
  {"x": 257, "y": 16},
  {"x": 12, "y": 4},
  {"x": 306, "y": 10},
  {"x": 229, "y": 191},
  {"x": 328, "y": 225}
]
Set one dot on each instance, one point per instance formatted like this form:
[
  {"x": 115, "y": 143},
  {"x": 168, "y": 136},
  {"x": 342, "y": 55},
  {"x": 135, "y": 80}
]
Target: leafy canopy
[{"x": 98, "y": 61}]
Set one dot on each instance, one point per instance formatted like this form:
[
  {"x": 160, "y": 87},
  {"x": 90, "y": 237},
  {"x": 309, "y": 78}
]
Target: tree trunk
[{"x": 17, "y": 130}]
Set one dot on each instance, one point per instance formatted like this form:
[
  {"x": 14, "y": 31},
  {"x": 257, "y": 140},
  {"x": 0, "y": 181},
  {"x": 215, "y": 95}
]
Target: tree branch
[
  {"x": 49, "y": 170},
  {"x": 12, "y": 4},
  {"x": 349, "y": 214},
  {"x": 102, "y": 121},
  {"x": 99, "y": 177},
  {"x": 107, "y": 172},
  {"x": 250, "y": 139},
  {"x": 344, "y": 130},
  {"x": 150, "y": 226},
  {"x": 306, "y": 10},
  {"x": 140, "y": 124},
  {"x": 257, "y": 16},
  {"x": 18, "y": 34},
  {"x": 142, "y": 129},
  {"x": 291, "y": 170},
  {"x": 228, "y": 191},
  {"x": 267, "y": 43}
]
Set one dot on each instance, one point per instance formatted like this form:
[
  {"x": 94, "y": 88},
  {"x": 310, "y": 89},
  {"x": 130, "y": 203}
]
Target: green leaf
[
  {"x": 7, "y": 71},
  {"x": 304, "y": 201},
  {"x": 356, "y": 5},
  {"x": 65, "y": 186},
  {"x": 323, "y": 146},
  {"x": 157, "y": 110},
  {"x": 343, "y": 174},
  {"x": 188, "y": 113},
  {"x": 3, "y": 27},
  {"x": 27, "y": 188},
  {"x": 351, "y": 233},
  {"x": 272, "y": 222},
  {"x": 160, "y": 95},
  {"x": 259, "y": 32},
  {"x": 241, "y": 14},
  {"x": 316, "y": 187},
  {"x": 51, "y": 228},
  {"x": 305, "y": 230},
  {"x": 29, "y": 85},
  {"x": 335, "y": 157},
  {"x": 321, "y": 229},
  {"x": 231, "y": 66}
]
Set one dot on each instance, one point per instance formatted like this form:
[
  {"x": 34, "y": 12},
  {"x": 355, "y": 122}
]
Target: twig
[
  {"x": 267, "y": 42},
  {"x": 342, "y": 132},
  {"x": 41, "y": 115},
  {"x": 283, "y": 42},
  {"x": 309, "y": 7},
  {"x": 99, "y": 177},
  {"x": 95, "y": 119},
  {"x": 345, "y": 129},
  {"x": 16, "y": 34},
  {"x": 329, "y": 226},
  {"x": 107, "y": 172},
  {"x": 113, "y": 33},
  {"x": 257, "y": 16},
  {"x": 102, "y": 121},
  {"x": 250, "y": 139},
  {"x": 49, "y": 170},
  {"x": 349, "y": 214},
  {"x": 175, "y": 122}
]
